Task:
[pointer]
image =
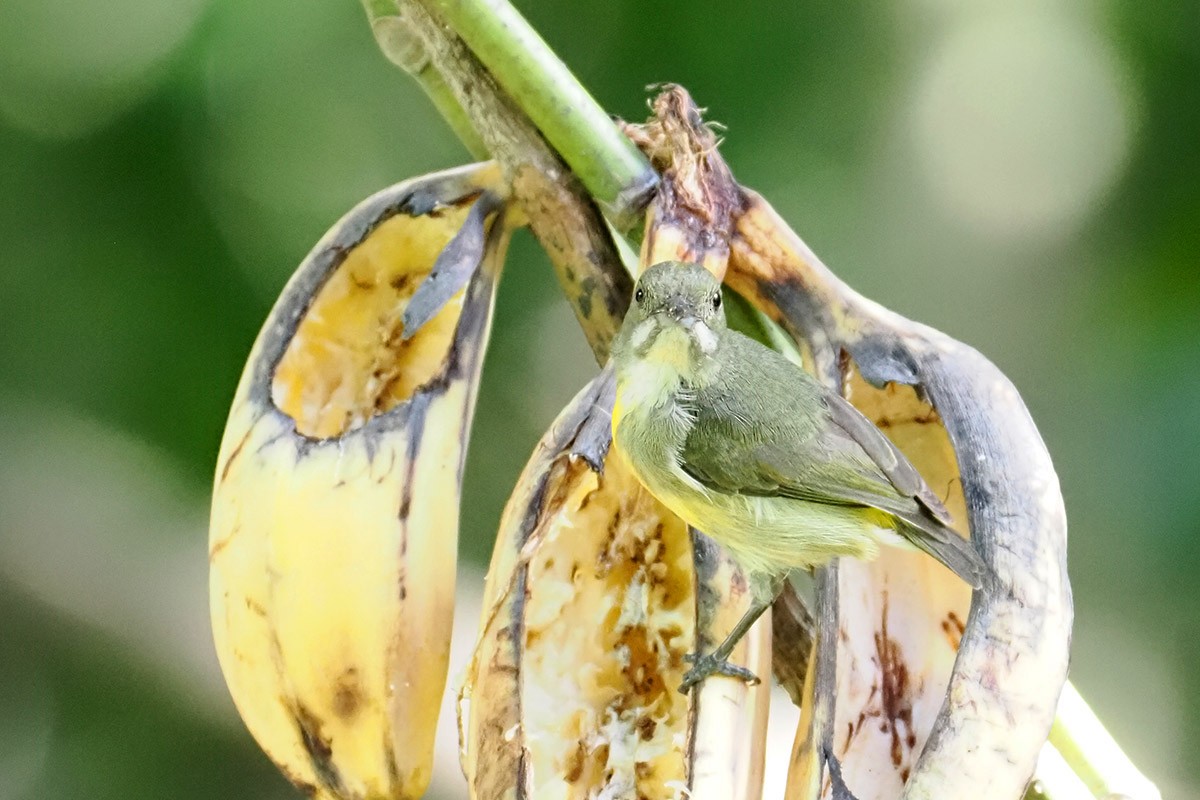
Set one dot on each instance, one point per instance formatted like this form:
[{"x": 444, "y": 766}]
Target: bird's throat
[
  {"x": 655, "y": 386},
  {"x": 643, "y": 387}
]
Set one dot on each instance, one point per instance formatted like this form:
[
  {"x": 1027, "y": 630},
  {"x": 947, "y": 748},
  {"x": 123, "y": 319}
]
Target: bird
[{"x": 748, "y": 448}]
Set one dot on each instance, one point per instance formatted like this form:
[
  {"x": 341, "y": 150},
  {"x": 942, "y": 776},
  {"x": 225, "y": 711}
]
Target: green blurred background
[{"x": 1022, "y": 175}]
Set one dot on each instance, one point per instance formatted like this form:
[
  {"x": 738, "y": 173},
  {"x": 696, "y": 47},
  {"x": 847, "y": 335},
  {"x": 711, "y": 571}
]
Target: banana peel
[
  {"x": 333, "y": 533},
  {"x": 891, "y": 684},
  {"x": 938, "y": 694}
]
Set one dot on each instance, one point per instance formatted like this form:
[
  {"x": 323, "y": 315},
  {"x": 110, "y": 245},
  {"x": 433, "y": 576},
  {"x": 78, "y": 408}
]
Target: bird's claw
[{"x": 707, "y": 665}]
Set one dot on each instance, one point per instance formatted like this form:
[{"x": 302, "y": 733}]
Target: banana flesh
[{"x": 334, "y": 517}]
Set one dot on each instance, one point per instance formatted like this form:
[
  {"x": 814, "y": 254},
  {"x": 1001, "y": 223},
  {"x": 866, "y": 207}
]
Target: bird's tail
[{"x": 947, "y": 546}]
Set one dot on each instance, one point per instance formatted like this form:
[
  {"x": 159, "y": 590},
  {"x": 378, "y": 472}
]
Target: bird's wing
[
  {"x": 777, "y": 432},
  {"x": 886, "y": 456}
]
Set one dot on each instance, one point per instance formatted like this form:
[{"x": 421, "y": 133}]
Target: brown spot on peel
[
  {"x": 894, "y": 695},
  {"x": 347, "y": 694},
  {"x": 954, "y": 628},
  {"x": 237, "y": 451}
]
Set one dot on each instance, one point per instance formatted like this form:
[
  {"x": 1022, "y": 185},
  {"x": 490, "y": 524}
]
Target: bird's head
[{"x": 675, "y": 319}]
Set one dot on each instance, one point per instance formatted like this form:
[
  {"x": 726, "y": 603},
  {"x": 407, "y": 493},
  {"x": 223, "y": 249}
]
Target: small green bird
[{"x": 747, "y": 447}]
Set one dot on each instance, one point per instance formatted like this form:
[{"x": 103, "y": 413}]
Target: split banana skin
[
  {"x": 335, "y": 507},
  {"x": 334, "y": 533}
]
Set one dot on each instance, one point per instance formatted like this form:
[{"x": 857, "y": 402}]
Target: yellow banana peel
[{"x": 335, "y": 505}]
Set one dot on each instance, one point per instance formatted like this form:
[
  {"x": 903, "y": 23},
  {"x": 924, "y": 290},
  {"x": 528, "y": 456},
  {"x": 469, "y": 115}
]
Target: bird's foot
[
  {"x": 840, "y": 790},
  {"x": 705, "y": 666}
]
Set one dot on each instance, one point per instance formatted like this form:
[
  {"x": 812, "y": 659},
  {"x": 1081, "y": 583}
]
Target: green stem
[
  {"x": 402, "y": 49},
  {"x": 1090, "y": 750},
  {"x": 611, "y": 168}
]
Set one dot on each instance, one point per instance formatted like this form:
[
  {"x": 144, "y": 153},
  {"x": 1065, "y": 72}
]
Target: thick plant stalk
[
  {"x": 1084, "y": 743},
  {"x": 560, "y": 212},
  {"x": 612, "y": 170}
]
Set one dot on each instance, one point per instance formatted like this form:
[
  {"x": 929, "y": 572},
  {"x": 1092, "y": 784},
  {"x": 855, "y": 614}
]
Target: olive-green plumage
[{"x": 750, "y": 449}]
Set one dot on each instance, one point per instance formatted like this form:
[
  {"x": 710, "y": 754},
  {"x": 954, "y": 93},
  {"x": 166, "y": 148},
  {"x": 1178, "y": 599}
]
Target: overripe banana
[{"x": 335, "y": 506}]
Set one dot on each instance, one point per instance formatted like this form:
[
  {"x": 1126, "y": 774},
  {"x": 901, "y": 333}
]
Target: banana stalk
[
  {"x": 335, "y": 505},
  {"x": 561, "y": 214}
]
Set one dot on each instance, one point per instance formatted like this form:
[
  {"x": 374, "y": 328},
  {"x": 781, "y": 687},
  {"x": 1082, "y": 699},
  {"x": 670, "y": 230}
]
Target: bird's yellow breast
[
  {"x": 648, "y": 383},
  {"x": 649, "y": 425},
  {"x": 617, "y": 413},
  {"x": 765, "y": 534}
]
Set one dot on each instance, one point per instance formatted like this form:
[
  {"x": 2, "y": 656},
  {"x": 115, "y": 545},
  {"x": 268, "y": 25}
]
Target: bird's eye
[
  {"x": 639, "y": 296},
  {"x": 716, "y": 301}
]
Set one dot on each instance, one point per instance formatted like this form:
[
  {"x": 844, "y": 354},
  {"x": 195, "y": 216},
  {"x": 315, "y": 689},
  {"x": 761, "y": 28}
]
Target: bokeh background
[{"x": 1022, "y": 175}]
